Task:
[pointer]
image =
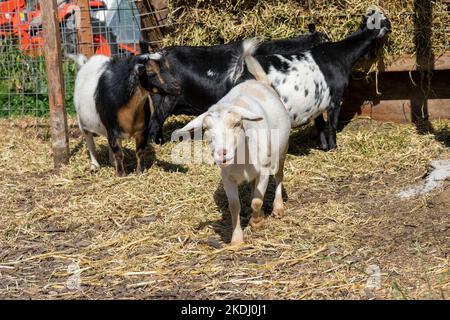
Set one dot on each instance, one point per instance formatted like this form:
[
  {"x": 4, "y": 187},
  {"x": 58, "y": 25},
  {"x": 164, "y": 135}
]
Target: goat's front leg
[
  {"x": 141, "y": 143},
  {"x": 164, "y": 107},
  {"x": 333, "y": 121},
  {"x": 234, "y": 205},
  {"x": 116, "y": 147},
  {"x": 320, "y": 125},
  {"x": 111, "y": 156},
  {"x": 257, "y": 220},
  {"x": 156, "y": 131}
]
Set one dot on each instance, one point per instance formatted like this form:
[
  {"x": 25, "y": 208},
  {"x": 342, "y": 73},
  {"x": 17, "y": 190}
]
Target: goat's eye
[{"x": 209, "y": 135}]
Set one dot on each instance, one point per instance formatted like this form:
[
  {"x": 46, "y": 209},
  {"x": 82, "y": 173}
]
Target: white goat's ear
[
  {"x": 247, "y": 114},
  {"x": 195, "y": 124}
]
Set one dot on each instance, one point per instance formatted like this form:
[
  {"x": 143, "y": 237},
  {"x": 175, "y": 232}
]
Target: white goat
[{"x": 248, "y": 132}]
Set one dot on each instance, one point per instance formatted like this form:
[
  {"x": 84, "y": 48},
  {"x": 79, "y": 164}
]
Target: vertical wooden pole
[
  {"x": 84, "y": 32},
  {"x": 55, "y": 78},
  {"x": 150, "y": 20}
]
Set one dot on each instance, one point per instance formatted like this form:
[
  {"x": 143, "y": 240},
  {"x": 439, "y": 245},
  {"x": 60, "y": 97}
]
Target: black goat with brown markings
[{"x": 112, "y": 99}]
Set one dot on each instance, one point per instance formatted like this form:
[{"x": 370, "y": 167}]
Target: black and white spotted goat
[
  {"x": 313, "y": 81},
  {"x": 206, "y": 74}
]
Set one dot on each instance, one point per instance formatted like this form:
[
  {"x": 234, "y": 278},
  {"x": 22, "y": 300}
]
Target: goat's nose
[{"x": 222, "y": 153}]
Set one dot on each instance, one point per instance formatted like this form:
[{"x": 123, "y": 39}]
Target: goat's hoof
[
  {"x": 120, "y": 174},
  {"x": 159, "y": 140},
  {"x": 237, "y": 239},
  {"x": 323, "y": 147},
  {"x": 331, "y": 149},
  {"x": 95, "y": 167},
  {"x": 257, "y": 223},
  {"x": 278, "y": 212},
  {"x": 236, "y": 242}
]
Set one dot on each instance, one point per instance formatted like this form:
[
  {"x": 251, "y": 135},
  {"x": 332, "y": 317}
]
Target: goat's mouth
[{"x": 224, "y": 162}]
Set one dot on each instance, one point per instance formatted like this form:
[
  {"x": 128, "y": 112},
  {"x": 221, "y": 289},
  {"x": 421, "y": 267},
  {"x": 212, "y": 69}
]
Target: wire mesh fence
[{"x": 114, "y": 28}]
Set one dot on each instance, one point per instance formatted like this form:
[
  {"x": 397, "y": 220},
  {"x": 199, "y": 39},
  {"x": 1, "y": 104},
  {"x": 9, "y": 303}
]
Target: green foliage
[{"x": 23, "y": 82}]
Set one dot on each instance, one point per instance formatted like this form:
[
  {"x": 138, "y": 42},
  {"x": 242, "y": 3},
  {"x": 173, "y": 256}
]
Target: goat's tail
[
  {"x": 256, "y": 70},
  {"x": 249, "y": 47},
  {"x": 79, "y": 59}
]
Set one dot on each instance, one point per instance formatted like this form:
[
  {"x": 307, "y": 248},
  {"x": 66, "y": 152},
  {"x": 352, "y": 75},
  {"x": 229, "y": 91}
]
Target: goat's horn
[{"x": 151, "y": 56}]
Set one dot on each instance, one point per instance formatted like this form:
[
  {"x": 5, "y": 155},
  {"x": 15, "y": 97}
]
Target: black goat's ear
[
  {"x": 144, "y": 46},
  {"x": 312, "y": 27},
  {"x": 363, "y": 24},
  {"x": 139, "y": 69}
]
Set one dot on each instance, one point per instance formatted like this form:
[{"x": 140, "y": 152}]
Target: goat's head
[
  {"x": 376, "y": 20},
  {"x": 223, "y": 129},
  {"x": 160, "y": 77}
]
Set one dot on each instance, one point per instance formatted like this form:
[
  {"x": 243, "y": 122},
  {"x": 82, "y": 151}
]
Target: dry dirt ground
[{"x": 164, "y": 234}]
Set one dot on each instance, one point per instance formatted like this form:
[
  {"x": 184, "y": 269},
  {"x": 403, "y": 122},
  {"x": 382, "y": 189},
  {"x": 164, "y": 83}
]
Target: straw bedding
[
  {"x": 417, "y": 25},
  {"x": 164, "y": 234}
]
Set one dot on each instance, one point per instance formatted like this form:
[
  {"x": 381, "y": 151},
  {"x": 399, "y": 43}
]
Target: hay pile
[
  {"x": 164, "y": 234},
  {"x": 209, "y": 22}
]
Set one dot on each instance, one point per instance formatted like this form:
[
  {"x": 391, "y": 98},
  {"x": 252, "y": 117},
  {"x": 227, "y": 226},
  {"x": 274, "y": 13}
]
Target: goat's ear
[
  {"x": 195, "y": 124},
  {"x": 246, "y": 115},
  {"x": 363, "y": 24},
  {"x": 311, "y": 28},
  {"x": 383, "y": 32},
  {"x": 139, "y": 69}
]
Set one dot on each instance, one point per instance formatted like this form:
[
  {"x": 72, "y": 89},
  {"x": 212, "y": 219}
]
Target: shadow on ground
[
  {"x": 130, "y": 159},
  {"x": 222, "y": 226}
]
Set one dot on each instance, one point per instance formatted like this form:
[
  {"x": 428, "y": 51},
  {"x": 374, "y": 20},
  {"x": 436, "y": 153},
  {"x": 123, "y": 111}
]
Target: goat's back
[
  {"x": 291, "y": 46},
  {"x": 263, "y": 100},
  {"x": 268, "y": 138},
  {"x": 84, "y": 95}
]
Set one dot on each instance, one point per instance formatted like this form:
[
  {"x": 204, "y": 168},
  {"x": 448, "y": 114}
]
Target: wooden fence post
[
  {"x": 153, "y": 14},
  {"x": 84, "y": 33},
  {"x": 55, "y": 78}
]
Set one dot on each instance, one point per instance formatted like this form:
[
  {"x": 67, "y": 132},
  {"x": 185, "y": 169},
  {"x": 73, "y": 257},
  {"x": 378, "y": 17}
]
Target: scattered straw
[{"x": 165, "y": 234}]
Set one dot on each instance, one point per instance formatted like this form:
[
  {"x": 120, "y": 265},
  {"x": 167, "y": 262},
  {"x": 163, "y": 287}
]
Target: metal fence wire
[{"x": 115, "y": 28}]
